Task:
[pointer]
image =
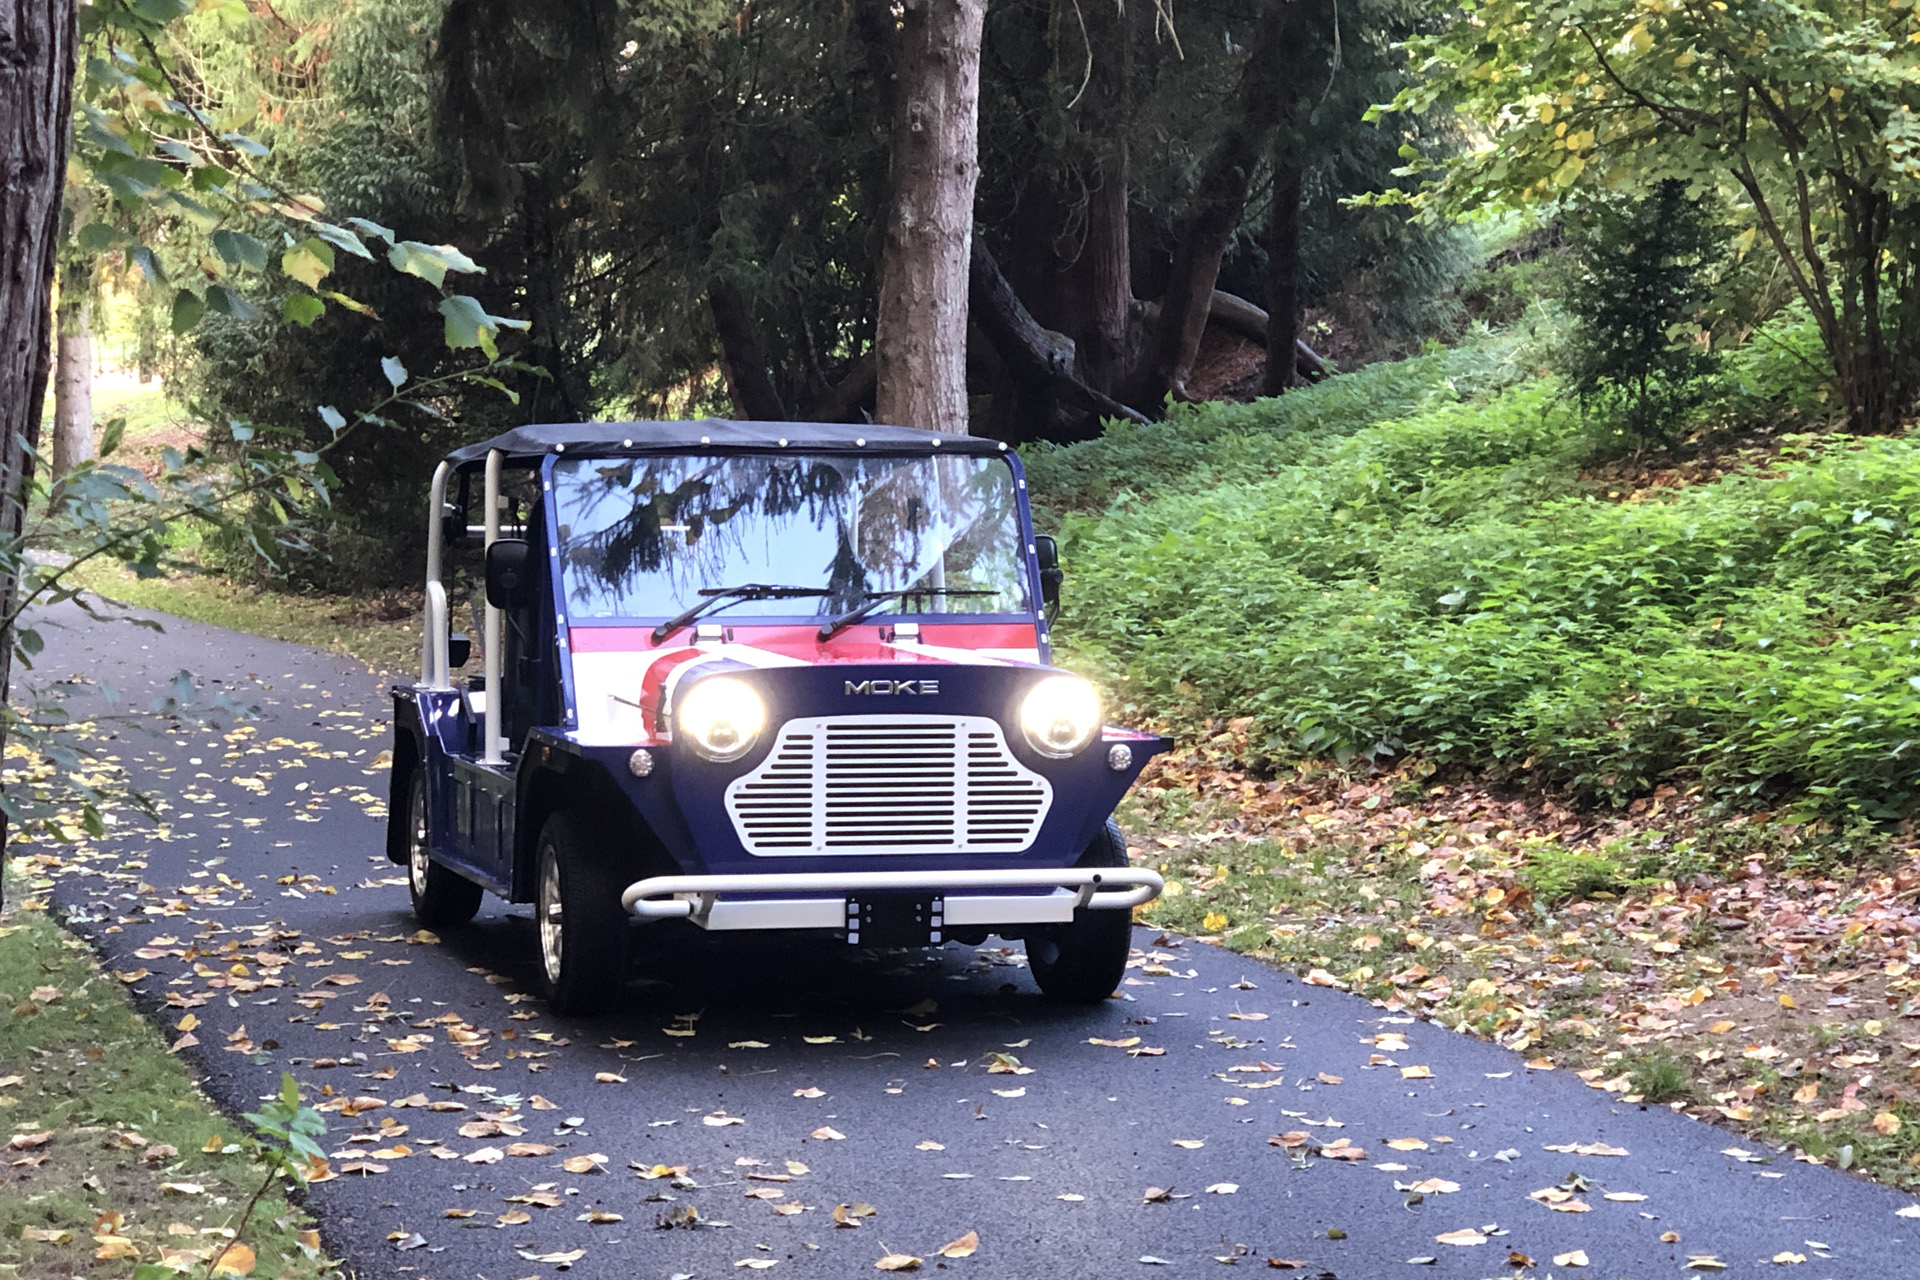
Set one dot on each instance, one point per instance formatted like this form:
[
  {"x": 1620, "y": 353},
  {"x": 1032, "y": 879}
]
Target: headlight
[
  {"x": 722, "y": 718},
  {"x": 1060, "y": 715}
]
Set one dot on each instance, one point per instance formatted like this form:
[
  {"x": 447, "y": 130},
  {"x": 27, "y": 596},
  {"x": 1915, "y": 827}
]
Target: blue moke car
[{"x": 759, "y": 676}]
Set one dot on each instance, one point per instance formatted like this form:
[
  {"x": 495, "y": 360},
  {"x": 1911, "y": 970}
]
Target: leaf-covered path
[{"x": 815, "y": 1110}]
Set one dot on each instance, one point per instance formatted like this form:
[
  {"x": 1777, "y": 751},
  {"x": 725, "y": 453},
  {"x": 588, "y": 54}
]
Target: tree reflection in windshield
[{"x": 640, "y": 536}]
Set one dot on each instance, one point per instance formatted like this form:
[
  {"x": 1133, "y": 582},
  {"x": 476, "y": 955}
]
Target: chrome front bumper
[{"x": 775, "y": 901}]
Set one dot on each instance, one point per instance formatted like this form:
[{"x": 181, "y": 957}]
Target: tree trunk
[
  {"x": 1283, "y": 267},
  {"x": 72, "y": 377},
  {"x": 742, "y": 361},
  {"x": 1039, "y": 368},
  {"x": 37, "y": 53},
  {"x": 920, "y": 342},
  {"x": 1109, "y": 247},
  {"x": 1217, "y": 206}
]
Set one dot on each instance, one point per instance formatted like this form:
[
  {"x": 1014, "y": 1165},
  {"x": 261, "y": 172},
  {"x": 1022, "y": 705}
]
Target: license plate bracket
[{"x": 896, "y": 919}]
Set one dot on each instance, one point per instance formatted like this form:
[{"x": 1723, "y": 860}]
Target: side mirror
[
  {"x": 1047, "y": 551},
  {"x": 459, "y": 651},
  {"x": 509, "y": 573}
]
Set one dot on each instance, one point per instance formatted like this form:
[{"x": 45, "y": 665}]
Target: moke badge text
[{"x": 881, "y": 687}]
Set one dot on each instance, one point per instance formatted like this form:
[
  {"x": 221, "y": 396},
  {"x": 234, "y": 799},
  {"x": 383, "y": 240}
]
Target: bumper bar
[{"x": 698, "y": 898}]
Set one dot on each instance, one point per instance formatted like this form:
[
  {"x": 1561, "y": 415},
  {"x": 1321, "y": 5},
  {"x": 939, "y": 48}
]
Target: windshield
[{"x": 639, "y": 537}]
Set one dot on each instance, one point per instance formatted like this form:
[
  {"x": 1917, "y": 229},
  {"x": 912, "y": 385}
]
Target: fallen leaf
[
  {"x": 530, "y": 1149},
  {"x": 1190, "y": 1144},
  {"x": 965, "y": 1247},
  {"x": 810, "y": 1093},
  {"x": 595, "y": 1163},
  {"x": 898, "y": 1262},
  {"x": 1416, "y": 1073},
  {"x": 1571, "y": 1258},
  {"x": 485, "y": 1155},
  {"x": 599, "y": 1217},
  {"x": 235, "y": 1260},
  {"x": 561, "y": 1259},
  {"x": 826, "y": 1133},
  {"x": 1786, "y": 1258},
  {"x": 720, "y": 1120},
  {"x": 1625, "y": 1197},
  {"x": 28, "y": 1141},
  {"x": 1407, "y": 1144},
  {"x": 608, "y": 1077},
  {"x": 1223, "y": 1188},
  {"x": 1462, "y": 1238},
  {"x": 1434, "y": 1187},
  {"x": 1707, "y": 1262},
  {"x": 936, "y": 1146}
]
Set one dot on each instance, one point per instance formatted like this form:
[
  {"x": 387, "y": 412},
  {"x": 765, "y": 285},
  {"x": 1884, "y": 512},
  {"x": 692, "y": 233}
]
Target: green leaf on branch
[
  {"x": 98, "y": 237},
  {"x": 341, "y": 238},
  {"x": 332, "y": 417},
  {"x": 302, "y": 309},
  {"x": 469, "y": 325},
  {"x": 309, "y": 262},
  {"x": 241, "y": 142},
  {"x": 110, "y": 438},
  {"x": 431, "y": 262},
  {"x": 395, "y": 371},
  {"x": 368, "y": 228},
  {"x": 228, "y": 303},
  {"x": 149, "y": 264},
  {"x": 187, "y": 310},
  {"x": 239, "y": 249},
  {"x": 350, "y": 304}
]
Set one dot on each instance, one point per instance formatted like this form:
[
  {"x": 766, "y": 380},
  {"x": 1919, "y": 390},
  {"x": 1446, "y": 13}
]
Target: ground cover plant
[
  {"x": 111, "y": 1160},
  {"x": 1453, "y": 584}
]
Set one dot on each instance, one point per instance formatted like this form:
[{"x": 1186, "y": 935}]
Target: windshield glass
[{"x": 639, "y": 537}]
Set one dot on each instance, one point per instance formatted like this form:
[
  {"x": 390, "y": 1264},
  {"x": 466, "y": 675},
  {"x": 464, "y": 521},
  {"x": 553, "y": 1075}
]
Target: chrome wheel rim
[
  {"x": 417, "y": 862},
  {"x": 550, "y": 914}
]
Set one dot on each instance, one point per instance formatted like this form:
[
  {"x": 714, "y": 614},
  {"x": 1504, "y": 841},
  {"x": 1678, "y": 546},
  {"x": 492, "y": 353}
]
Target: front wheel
[
  {"x": 583, "y": 929},
  {"x": 1082, "y": 962},
  {"x": 442, "y": 899}
]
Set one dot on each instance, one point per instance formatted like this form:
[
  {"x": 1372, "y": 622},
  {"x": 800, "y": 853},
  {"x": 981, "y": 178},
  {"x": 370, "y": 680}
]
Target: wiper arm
[
  {"x": 720, "y": 597},
  {"x": 834, "y": 626}
]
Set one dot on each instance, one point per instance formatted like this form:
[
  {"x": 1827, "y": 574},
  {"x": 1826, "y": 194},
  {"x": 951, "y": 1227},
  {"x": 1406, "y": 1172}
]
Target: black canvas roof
[{"x": 524, "y": 445}]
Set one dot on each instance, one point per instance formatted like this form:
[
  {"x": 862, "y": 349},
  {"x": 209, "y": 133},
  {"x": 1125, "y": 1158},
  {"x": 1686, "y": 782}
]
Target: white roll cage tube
[
  {"x": 495, "y": 641},
  {"x": 693, "y": 897},
  {"x": 435, "y": 671}
]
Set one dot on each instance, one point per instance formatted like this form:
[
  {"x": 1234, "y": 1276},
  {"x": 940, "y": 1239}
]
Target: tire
[
  {"x": 442, "y": 899},
  {"x": 1082, "y": 962},
  {"x": 581, "y": 928}
]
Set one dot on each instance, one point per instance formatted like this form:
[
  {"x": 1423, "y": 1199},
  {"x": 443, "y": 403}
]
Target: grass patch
[
  {"x": 382, "y": 631},
  {"x": 1432, "y": 575},
  {"x": 123, "y": 1120}
]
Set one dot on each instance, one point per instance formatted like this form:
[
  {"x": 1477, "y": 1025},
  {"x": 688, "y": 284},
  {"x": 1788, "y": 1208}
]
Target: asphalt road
[{"x": 784, "y": 1080}]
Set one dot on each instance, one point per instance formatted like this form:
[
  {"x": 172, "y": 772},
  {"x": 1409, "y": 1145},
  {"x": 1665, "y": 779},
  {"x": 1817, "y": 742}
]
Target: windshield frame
[{"x": 1022, "y": 510}]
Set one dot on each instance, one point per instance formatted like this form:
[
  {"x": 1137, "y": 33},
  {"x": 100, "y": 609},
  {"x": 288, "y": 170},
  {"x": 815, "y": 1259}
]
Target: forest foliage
[{"x": 1547, "y": 237}]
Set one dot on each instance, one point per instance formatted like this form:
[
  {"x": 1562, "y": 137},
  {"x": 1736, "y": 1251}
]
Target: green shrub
[
  {"x": 1555, "y": 875},
  {"x": 1442, "y": 584}
]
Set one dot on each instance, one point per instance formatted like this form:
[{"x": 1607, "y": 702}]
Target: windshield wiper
[
  {"x": 834, "y": 626},
  {"x": 720, "y": 597}
]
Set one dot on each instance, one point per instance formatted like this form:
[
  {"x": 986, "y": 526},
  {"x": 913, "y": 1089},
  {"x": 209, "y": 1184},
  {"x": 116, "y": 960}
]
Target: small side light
[
  {"x": 640, "y": 763},
  {"x": 1119, "y": 757}
]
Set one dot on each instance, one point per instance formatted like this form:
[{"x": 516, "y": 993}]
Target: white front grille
[{"x": 889, "y": 784}]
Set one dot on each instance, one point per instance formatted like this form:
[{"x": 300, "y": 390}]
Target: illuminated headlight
[
  {"x": 722, "y": 718},
  {"x": 1060, "y": 715}
]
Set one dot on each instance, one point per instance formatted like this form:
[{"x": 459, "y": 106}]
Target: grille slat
[{"x": 877, "y": 784}]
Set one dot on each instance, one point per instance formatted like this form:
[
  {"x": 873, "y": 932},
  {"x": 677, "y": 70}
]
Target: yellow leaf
[
  {"x": 1462, "y": 1238},
  {"x": 826, "y": 1133},
  {"x": 898, "y": 1262},
  {"x": 965, "y": 1247},
  {"x": 112, "y": 1246},
  {"x": 1886, "y": 1123},
  {"x": 1786, "y": 1001},
  {"x": 1213, "y": 921},
  {"x": 1572, "y": 1258},
  {"x": 1416, "y": 1073},
  {"x": 236, "y": 1261}
]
